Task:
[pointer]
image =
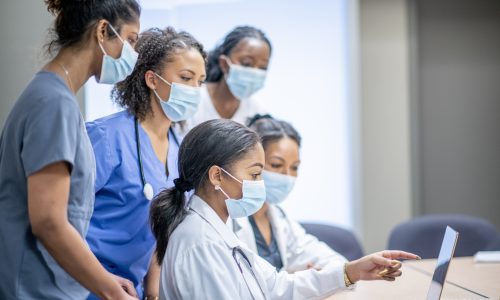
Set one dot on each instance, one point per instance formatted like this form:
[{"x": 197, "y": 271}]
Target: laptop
[{"x": 443, "y": 262}]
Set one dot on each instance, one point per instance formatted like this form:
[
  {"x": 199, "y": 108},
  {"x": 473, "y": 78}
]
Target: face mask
[
  {"x": 278, "y": 186},
  {"x": 254, "y": 195},
  {"x": 115, "y": 70},
  {"x": 244, "y": 81},
  {"x": 182, "y": 102}
]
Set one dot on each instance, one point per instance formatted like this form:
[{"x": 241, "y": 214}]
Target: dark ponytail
[
  {"x": 216, "y": 142},
  {"x": 271, "y": 130},
  {"x": 75, "y": 17},
  {"x": 214, "y": 72}
]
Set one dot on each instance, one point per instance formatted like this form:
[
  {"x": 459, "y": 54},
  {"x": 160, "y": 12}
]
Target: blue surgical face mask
[
  {"x": 254, "y": 196},
  {"x": 242, "y": 81},
  {"x": 114, "y": 70},
  {"x": 182, "y": 102},
  {"x": 278, "y": 186}
]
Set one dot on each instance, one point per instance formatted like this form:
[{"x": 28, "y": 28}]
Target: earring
[{"x": 217, "y": 187}]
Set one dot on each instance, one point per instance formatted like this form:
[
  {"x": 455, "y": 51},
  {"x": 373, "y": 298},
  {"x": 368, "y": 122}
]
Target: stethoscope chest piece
[{"x": 148, "y": 191}]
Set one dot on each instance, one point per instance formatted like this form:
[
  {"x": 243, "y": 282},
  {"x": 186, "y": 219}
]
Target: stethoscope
[
  {"x": 147, "y": 188},
  {"x": 245, "y": 258}
]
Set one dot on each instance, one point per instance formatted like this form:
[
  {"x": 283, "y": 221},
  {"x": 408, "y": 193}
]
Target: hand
[
  {"x": 311, "y": 266},
  {"x": 127, "y": 286},
  {"x": 378, "y": 266}
]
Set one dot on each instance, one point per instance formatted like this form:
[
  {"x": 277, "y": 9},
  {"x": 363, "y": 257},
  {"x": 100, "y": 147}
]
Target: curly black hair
[
  {"x": 156, "y": 47},
  {"x": 231, "y": 40}
]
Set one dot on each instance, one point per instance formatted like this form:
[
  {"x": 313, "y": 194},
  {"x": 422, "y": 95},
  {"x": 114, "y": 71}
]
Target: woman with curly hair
[
  {"x": 136, "y": 152},
  {"x": 46, "y": 162}
]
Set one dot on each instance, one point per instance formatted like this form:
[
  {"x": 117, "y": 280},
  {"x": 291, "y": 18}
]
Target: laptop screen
[{"x": 443, "y": 262}]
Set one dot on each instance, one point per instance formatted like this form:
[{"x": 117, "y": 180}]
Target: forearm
[
  {"x": 152, "y": 280},
  {"x": 70, "y": 251}
]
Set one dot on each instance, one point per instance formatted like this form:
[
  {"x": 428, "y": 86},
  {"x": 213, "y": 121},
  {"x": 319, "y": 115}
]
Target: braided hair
[
  {"x": 156, "y": 47},
  {"x": 232, "y": 39}
]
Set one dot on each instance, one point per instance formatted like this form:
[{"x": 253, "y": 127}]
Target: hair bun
[{"x": 56, "y": 6}]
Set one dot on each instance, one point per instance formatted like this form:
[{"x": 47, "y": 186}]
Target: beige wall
[{"x": 385, "y": 120}]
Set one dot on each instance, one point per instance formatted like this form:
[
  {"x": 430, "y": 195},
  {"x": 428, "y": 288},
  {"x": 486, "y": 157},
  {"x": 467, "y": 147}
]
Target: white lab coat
[
  {"x": 199, "y": 265},
  {"x": 206, "y": 111},
  {"x": 297, "y": 248}
]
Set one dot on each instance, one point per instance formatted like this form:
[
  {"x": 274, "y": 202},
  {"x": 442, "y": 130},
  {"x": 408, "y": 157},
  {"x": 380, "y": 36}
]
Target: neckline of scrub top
[
  {"x": 171, "y": 141},
  {"x": 204, "y": 210}
]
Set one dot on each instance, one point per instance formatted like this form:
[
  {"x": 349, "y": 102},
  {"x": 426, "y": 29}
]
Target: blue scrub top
[{"x": 119, "y": 233}]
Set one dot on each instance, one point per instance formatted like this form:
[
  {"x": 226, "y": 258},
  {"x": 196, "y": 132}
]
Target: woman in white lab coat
[
  {"x": 236, "y": 70},
  {"x": 269, "y": 232},
  {"x": 201, "y": 258}
]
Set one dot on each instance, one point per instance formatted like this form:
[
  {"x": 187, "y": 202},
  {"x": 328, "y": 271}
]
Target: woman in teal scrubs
[
  {"x": 47, "y": 167},
  {"x": 136, "y": 152}
]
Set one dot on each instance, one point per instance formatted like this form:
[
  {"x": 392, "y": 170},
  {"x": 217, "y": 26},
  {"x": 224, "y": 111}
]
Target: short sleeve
[
  {"x": 102, "y": 151},
  {"x": 51, "y": 134}
]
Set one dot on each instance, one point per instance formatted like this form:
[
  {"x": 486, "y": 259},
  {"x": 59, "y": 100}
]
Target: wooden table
[
  {"x": 482, "y": 278},
  {"x": 465, "y": 280}
]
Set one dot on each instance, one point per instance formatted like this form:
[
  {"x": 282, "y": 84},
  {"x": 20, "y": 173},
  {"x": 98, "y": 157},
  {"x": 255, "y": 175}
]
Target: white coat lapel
[
  {"x": 278, "y": 219},
  {"x": 243, "y": 230}
]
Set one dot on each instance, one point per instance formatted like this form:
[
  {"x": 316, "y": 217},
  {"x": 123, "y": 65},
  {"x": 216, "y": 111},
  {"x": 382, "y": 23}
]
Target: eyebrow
[
  {"x": 193, "y": 73},
  {"x": 274, "y": 156},
  {"x": 256, "y": 165}
]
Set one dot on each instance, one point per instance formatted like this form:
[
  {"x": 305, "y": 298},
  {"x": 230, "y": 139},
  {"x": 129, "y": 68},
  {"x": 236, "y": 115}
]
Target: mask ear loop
[
  {"x": 218, "y": 188},
  {"x": 231, "y": 175},
  {"x": 117, "y": 35},
  {"x": 163, "y": 79}
]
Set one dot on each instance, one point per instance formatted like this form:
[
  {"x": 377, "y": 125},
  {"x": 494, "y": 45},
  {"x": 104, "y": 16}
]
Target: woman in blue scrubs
[{"x": 136, "y": 152}]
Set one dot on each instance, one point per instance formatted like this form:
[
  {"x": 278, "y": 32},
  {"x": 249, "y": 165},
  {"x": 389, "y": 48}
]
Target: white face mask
[
  {"x": 114, "y": 70},
  {"x": 242, "y": 81},
  {"x": 182, "y": 102},
  {"x": 278, "y": 186},
  {"x": 254, "y": 196}
]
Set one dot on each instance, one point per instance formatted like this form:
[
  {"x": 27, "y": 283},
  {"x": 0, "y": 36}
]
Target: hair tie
[
  {"x": 258, "y": 117},
  {"x": 182, "y": 185}
]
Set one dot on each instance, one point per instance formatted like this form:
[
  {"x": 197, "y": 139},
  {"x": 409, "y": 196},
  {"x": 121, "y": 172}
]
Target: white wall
[{"x": 308, "y": 85}]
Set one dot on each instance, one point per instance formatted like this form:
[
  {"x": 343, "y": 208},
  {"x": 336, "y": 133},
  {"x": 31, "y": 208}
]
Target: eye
[
  {"x": 256, "y": 176},
  {"x": 184, "y": 78},
  {"x": 132, "y": 41},
  {"x": 201, "y": 82},
  {"x": 295, "y": 168},
  {"x": 276, "y": 166}
]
